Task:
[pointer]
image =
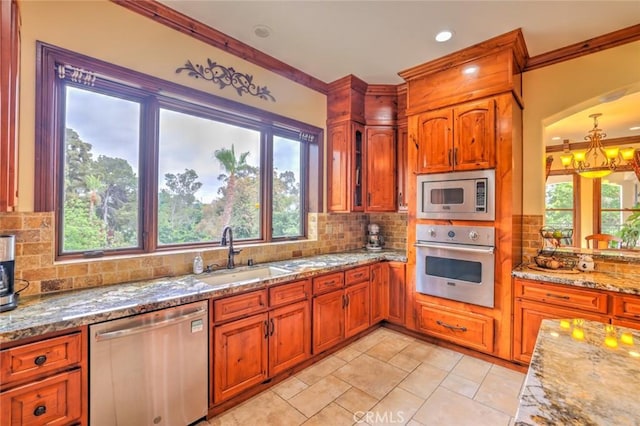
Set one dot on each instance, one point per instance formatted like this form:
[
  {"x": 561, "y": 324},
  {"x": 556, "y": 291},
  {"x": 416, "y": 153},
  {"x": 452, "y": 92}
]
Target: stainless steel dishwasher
[{"x": 150, "y": 369}]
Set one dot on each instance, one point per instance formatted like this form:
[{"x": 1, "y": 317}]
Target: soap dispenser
[{"x": 198, "y": 264}]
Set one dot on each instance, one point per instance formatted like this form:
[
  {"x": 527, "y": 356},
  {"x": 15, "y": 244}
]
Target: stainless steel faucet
[{"x": 227, "y": 235}]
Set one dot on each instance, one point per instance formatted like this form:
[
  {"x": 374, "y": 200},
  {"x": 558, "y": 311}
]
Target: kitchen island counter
[
  {"x": 37, "y": 315},
  {"x": 618, "y": 282},
  {"x": 576, "y": 379}
]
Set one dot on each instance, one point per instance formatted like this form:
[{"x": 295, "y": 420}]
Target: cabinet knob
[
  {"x": 41, "y": 359},
  {"x": 40, "y": 410}
]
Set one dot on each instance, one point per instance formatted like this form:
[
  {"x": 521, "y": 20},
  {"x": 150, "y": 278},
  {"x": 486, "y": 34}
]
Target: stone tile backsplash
[{"x": 35, "y": 246}]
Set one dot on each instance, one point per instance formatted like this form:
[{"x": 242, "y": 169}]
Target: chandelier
[{"x": 597, "y": 161}]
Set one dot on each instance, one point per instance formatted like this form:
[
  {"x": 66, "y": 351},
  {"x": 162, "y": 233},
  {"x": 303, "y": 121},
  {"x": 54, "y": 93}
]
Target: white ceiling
[{"x": 374, "y": 40}]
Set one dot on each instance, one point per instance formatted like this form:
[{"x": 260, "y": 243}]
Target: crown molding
[{"x": 586, "y": 47}]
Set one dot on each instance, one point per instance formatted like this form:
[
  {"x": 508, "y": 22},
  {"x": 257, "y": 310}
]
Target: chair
[{"x": 602, "y": 241}]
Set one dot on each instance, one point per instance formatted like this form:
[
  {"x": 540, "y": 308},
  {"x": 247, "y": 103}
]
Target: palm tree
[
  {"x": 233, "y": 167},
  {"x": 94, "y": 186}
]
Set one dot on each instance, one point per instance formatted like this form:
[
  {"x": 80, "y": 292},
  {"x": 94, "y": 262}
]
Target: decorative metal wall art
[{"x": 223, "y": 77}]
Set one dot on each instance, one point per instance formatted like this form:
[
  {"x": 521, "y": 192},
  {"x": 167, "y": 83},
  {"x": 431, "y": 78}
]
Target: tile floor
[{"x": 387, "y": 378}]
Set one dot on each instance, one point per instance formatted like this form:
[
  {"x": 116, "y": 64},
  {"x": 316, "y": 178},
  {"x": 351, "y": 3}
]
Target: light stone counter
[
  {"x": 573, "y": 381},
  {"x": 37, "y": 315},
  {"x": 621, "y": 283}
]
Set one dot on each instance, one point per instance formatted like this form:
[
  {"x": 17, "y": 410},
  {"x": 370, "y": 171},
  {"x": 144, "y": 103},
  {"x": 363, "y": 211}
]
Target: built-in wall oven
[{"x": 456, "y": 262}]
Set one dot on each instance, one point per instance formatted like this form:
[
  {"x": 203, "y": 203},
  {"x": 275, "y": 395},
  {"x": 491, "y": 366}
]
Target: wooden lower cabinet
[
  {"x": 396, "y": 296},
  {"x": 240, "y": 355},
  {"x": 53, "y": 401},
  {"x": 44, "y": 381},
  {"x": 464, "y": 328},
  {"x": 356, "y": 312},
  {"x": 379, "y": 292},
  {"x": 289, "y": 336},
  {"x": 527, "y": 318},
  {"x": 328, "y": 320}
]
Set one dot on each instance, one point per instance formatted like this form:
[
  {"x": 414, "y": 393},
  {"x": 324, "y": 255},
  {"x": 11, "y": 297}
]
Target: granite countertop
[
  {"x": 575, "y": 381},
  {"x": 621, "y": 283},
  {"x": 37, "y": 315}
]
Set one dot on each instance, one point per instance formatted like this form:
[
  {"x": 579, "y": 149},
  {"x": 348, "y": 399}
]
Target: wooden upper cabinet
[
  {"x": 433, "y": 136},
  {"x": 474, "y": 136},
  {"x": 381, "y": 169},
  {"x": 9, "y": 72},
  {"x": 345, "y": 167},
  {"x": 460, "y": 138},
  {"x": 401, "y": 161},
  {"x": 338, "y": 171}
]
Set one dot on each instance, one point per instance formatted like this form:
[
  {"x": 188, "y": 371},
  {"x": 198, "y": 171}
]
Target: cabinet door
[
  {"x": 379, "y": 292},
  {"x": 328, "y": 320},
  {"x": 434, "y": 141},
  {"x": 401, "y": 161},
  {"x": 527, "y": 319},
  {"x": 338, "y": 167},
  {"x": 358, "y": 170},
  {"x": 474, "y": 136},
  {"x": 9, "y": 74},
  {"x": 381, "y": 169},
  {"x": 396, "y": 292},
  {"x": 289, "y": 336},
  {"x": 240, "y": 355},
  {"x": 357, "y": 302}
]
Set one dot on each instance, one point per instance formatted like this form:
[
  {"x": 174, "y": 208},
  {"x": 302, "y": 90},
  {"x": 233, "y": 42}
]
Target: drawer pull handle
[
  {"x": 40, "y": 410},
  {"x": 451, "y": 327},
  {"x": 40, "y": 360},
  {"x": 557, "y": 296},
  {"x": 332, "y": 282}
]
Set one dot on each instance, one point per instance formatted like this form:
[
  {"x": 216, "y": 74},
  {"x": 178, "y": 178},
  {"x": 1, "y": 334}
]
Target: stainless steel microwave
[{"x": 457, "y": 195}]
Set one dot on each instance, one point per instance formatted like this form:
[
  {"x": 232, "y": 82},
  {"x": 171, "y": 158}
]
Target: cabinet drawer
[
  {"x": 586, "y": 300},
  {"x": 35, "y": 359},
  {"x": 239, "y": 306},
  {"x": 289, "y": 293},
  {"x": 626, "y": 307},
  {"x": 328, "y": 282},
  {"x": 464, "y": 328},
  {"x": 357, "y": 275},
  {"x": 52, "y": 401}
]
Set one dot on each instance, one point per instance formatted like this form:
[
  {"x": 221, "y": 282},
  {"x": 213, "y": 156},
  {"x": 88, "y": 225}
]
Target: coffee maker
[
  {"x": 8, "y": 296},
  {"x": 374, "y": 239}
]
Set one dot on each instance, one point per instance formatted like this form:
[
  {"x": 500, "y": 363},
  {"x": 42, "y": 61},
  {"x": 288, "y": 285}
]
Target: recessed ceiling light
[
  {"x": 262, "y": 31},
  {"x": 443, "y": 36},
  {"x": 471, "y": 69},
  {"x": 634, "y": 128},
  {"x": 556, "y": 138}
]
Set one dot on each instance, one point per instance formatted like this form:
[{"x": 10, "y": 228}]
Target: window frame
[
  {"x": 157, "y": 93},
  {"x": 576, "y": 207}
]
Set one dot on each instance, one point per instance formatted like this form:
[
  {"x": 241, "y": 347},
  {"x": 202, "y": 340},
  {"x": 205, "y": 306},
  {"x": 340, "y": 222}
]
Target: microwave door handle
[{"x": 485, "y": 250}]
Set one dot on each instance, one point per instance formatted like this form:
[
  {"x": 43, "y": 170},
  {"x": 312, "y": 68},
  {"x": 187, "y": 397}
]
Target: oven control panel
[{"x": 476, "y": 235}]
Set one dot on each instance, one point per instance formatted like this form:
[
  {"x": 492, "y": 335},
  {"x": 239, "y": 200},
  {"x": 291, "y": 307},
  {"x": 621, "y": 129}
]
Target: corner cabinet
[
  {"x": 380, "y": 155},
  {"x": 459, "y": 138},
  {"x": 9, "y": 72}
]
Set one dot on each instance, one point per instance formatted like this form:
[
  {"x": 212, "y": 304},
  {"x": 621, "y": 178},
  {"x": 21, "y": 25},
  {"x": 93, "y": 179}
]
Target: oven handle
[{"x": 468, "y": 249}]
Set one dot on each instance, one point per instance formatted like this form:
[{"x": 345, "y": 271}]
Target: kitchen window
[
  {"x": 561, "y": 199},
  {"x": 131, "y": 163}
]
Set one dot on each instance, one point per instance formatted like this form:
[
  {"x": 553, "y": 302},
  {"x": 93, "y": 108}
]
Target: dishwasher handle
[{"x": 115, "y": 334}]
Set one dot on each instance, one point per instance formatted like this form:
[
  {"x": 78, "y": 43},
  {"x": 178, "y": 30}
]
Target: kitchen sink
[{"x": 252, "y": 274}]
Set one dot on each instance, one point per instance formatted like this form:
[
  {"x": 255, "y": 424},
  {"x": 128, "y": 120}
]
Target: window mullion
[
  {"x": 149, "y": 134},
  {"x": 267, "y": 187}
]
